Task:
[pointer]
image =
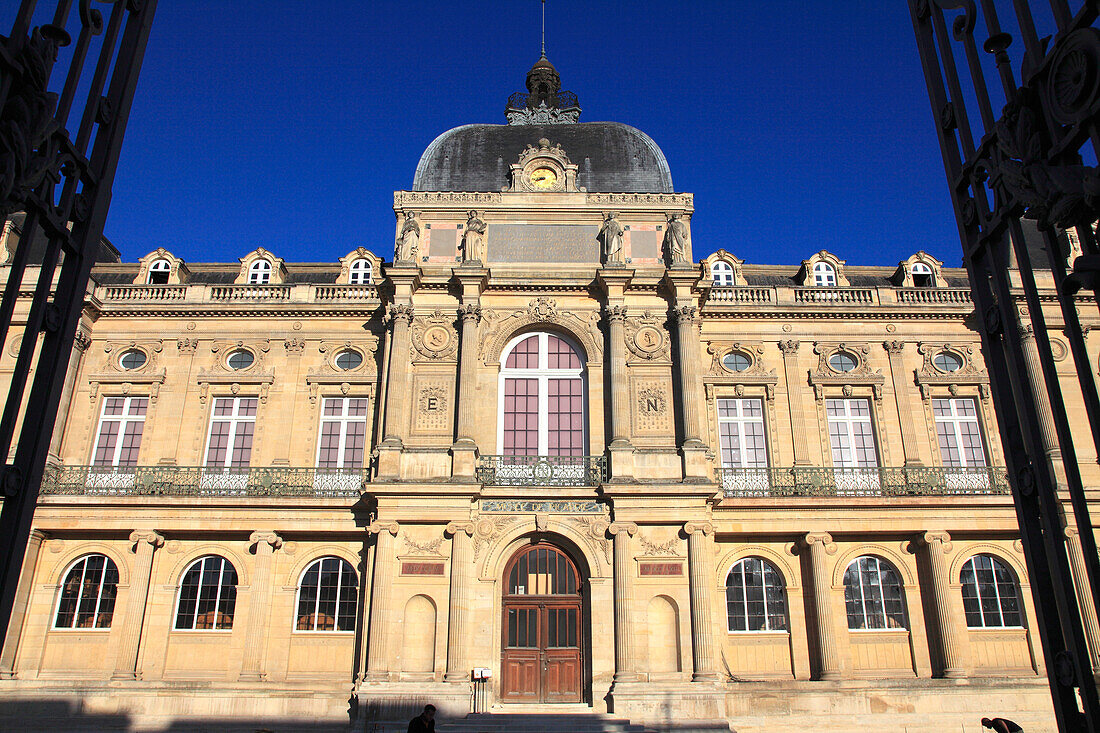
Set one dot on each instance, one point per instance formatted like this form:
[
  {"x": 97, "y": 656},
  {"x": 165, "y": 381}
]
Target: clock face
[{"x": 543, "y": 178}]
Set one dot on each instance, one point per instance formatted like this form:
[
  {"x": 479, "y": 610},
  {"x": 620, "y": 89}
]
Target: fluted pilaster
[
  {"x": 19, "y": 608},
  {"x": 937, "y": 545},
  {"x": 688, "y": 349},
  {"x": 821, "y": 545},
  {"x": 620, "y": 405},
  {"x": 1084, "y": 595},
  {"x": 626, "y": 665},
  {"x": 259, "y": 599},
  {"x": 381, "y": 601},
  {"x": 464, "y": 451},
  {"x": 704, "y": 660},
  {"x": 396, "y": 381},
  {"x": 458, "y": 608},
  {"x": 799, "y": 439},
  {"x": 896, "y": 353}
]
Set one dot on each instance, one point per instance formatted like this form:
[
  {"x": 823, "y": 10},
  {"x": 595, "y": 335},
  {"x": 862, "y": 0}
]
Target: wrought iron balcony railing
[
  {"x": 541, "y": 470},
  {"x": 202, "y": 481},
  {"x": 852, "y": 482}
]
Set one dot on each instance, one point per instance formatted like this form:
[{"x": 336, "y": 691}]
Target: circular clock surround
[{"x": 543, "y": 177}]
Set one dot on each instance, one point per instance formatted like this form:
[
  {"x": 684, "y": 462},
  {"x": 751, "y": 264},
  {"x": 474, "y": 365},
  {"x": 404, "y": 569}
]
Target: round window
[
  {"x": 240, "y": 359},
  {"x": 348, "y": 359},
  {"x": 736, "y": 361},
  {"x": 945, "y": 361},
  {"x": 842, "y": 361},
  {"x": 132, "y": 359}
]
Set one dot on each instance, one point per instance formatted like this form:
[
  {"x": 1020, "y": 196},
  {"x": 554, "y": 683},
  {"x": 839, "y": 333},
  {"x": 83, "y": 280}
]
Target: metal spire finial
[{"x": 544, "y": 28}]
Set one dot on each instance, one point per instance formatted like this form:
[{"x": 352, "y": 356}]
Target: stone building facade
[{"x": 546, "y": 441}]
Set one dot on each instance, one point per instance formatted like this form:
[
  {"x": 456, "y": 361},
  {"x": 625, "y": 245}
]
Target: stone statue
[
  {"x": 408, "y": 243},
  {"x": 611, "y": 235},
  {"x": 473, "y": 241},
  {"x": 678, "y": 239}
]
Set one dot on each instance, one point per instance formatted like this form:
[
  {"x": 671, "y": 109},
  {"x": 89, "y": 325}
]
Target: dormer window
[
  {"x": 158, "y": 272},
  {"x": 722, "y": 274},
  {"x": 259, "y": 273},
  {"x": 824, "y": 275},
  {"x": 360, "y": 272},
  {"x": 923, "y": 277}
]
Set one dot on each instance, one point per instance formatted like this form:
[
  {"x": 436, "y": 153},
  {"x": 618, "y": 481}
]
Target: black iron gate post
[
  {"x": 1027, "y": 163},
  {"x": 65, "y": 189}
]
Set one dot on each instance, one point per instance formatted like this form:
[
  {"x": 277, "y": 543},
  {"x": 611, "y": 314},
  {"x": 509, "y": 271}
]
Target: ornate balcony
[
  {"x": 202, "y": 481},
  {"x": 541, "y": 470},
  {"x": 855, "y": 482}
]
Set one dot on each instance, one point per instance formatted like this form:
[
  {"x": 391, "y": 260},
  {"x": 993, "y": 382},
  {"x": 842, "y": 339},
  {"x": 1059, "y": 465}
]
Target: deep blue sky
[{"x": 797, "y": 125}]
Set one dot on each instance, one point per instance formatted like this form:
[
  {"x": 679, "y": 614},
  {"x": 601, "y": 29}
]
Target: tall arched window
[
  {"x": 824, "y": 275},
  {"x": 359, "y": 272},
  {"x": 755, "y": 597},
  {"x": 327, "y": 596},
  {"x": 158, "y": 272},
  {"x": 722, "y": 274},
  {"x": 87, "y": 599},
  {"x": 872, "y": 595},
  {"x": 259, "y": 273},
  {"x": 990, "y": 596},
  {"x": 542, "y": 403},
  {"x": 923, "y": 277},
  {"x": 207, "y": 595}
]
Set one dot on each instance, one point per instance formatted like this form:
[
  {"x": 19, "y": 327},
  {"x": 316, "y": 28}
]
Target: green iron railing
[
  {"x": 202, "y": 481},
  {"x": 876, "y": 481},
  {"x": 541, "y": 470}
]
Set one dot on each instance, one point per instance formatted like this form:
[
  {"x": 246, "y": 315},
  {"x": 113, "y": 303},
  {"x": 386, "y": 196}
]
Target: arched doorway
[{"x": 542, "y": 627}]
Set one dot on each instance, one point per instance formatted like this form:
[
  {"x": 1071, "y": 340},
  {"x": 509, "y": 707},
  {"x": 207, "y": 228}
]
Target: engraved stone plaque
[
  {"x": 444, "y": 243},
  {"x": 543, "y": 243},
  {"x": 660, "y": 568},
  {"x": 643, "y": 245}
]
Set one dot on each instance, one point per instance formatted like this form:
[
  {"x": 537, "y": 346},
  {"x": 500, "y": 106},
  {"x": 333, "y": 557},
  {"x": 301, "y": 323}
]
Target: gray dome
[{"x": 613, "y": 158}]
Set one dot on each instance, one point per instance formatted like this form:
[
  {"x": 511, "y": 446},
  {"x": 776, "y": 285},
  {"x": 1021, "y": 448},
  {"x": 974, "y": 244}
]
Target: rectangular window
[
  {"x": 852, "y": 440},
  {"x": 343, "y": 433},
  {"x": 565, "y": 417},
  {"x": 741, "y": 433},
  {"x": 521, "y": 417},
  {"x": 231, "y": 429},
  {"x": 959, "y": 435},
  {"x": 120, "y": 428}
]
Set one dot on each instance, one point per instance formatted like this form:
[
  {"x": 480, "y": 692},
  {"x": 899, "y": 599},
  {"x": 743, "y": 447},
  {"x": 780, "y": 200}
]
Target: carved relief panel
[{"x": 651, "y": 406}]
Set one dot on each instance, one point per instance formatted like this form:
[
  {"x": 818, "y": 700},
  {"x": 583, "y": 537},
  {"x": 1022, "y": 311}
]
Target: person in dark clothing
[
  {"x": 425, "y": 722},
  {"x": 1001, "y": 725}
]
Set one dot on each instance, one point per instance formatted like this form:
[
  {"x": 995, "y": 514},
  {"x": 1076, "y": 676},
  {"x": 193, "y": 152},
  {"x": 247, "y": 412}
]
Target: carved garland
[
  {"x": 825, "y": 376},
  {"x": 930, "y": 377}
]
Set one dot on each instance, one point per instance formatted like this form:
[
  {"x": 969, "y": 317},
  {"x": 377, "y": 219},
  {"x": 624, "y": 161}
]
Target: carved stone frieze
[
  {"x": 488, "y": 529},
  {"x": 430, "y": 548},
  {"x": 656, "y": 548},
  {"x": 431, "y": 414},
  {"x": 594, "y": 531},
  {"x": 647, "y": 339},
  {"x": 502, "y": 325},
  {"x": 862, "y": 375},
  {"x": 420, "y": 198},
  {"x": 434, "y": 337},
  {"x": 150, "y": 347},
  {"x": 929, "y": 376}
]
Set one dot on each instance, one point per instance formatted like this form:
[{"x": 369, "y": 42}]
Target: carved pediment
[
  {"x": 932, "y": 375},
  {"x": 753, "y": 374},
  {"x": 502, "y": 325},
  {"x": 828, "y": 375},
  {"x": 544, "y": 168}
]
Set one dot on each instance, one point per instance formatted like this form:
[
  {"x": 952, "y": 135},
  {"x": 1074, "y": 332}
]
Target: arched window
[
  {"x": 721, "y": 274},
  {"x": 543, "y": 571},
  {"x": 990, "y": 596},
  {"x": 824, "y": 275},
  {"x": 923, "y": 277},
  {"x": 755, "y": 597},
  {"x": 327, "y": 596},
  {"x": 542, "y": 404},
  {"x": 872, "y": 595},
  {"x": 87, "y": 599},
  {"x": 259, "y": 273},
  {"x": 359, "y": 272},
  {"x": 158, "y": 272},
  {"x": 207, "y": 595}
]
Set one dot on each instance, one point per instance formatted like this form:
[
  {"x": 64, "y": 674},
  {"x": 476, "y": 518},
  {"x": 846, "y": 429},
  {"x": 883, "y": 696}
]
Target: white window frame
[
  {"x": 99, "y": 596},
  {"x": 955, "y": 421},
  {"x": 317, "y": 601},
  {"x": 124, "y": 420},
  {"x": 721, "y": 274},
  {"x": 259, "y": 272},
  {"x": 824, "y": 275},
  {"x": 227, "y": 476},
  {"x": 543, "y": 374},
  {"x": 994, "y": 561},
  {"x": 344, "y": 420},
  {"x": 852, "y": 477},
  {"x": 201, "y": 561},
  {"x": 745, "y": 590},
  {"x": 158, "y": 266},
  {"x": 360, "y": 272},
  {"x": 921, "y": 268},
  {"x": 749, "y": 478},
  {"x": 863, "y": 603}
]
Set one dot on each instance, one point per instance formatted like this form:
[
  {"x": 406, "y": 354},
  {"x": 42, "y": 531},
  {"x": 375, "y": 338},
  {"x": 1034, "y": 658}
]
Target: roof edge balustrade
[
  {"x": 202, "y": 481},
  {"x": 863, "y": 482},
  {"x": 542, "y": 470}
]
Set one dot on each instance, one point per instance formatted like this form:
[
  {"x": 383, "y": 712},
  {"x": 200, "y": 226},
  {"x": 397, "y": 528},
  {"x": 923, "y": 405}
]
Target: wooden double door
[{"x": 542, "y": 629}]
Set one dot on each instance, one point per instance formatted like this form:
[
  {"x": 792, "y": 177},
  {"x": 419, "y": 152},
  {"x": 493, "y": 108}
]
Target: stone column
[
  {"x": 694, "y": 449},
  {"x": 259, "y": 598},
  {"x": 381, "y": 612},
  {"x": 458, "y": 607},
  {"x": 794, "y": 402},
  {"x": 704, "y": 667},
  {"x": 19, "y": 608},
  {"x": 625, "y": 662},
  {"x": 126, "y": 663},
  {"x": 622, "y": 452},
  {"x": 1084, "y": 595},
  {"x": 80, "y": 345},
  {"x": 938, "y": 544},
  {"x": 895, "y": 350},
  {"x": 821, "y": 544},
  {"x": 1042, "y": 403},
  {"x": 464, "y": 451},
  {"x": 397, "y": 406}
]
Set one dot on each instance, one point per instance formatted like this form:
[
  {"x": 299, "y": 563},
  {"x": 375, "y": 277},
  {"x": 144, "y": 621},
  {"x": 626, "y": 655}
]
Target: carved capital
[
  {"x": 691, "y": 528},
  {"x": 399, "y": 312},
  {"x": 377, "y": 527},
  {"x": 146, "y": 535},
  {"x": 82, "y": 340},
  {"x": 820, "y": 538},
  {"x": 893, "y": 347},
  {"x": 1027, "y": 331},
  {"x": 937, "y": 540},
  {"x": 629, "y": 528},
  {"x": 615, "y": 313},
  {"x": 789, "y": 347},
  {"x": 470, "y": 313},
  {"x": 685, "y": 314},
  {"x": 258, "y": 538},
  {"x": 454, "y": 528},
  {"x": 1070, "y": 532}
]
